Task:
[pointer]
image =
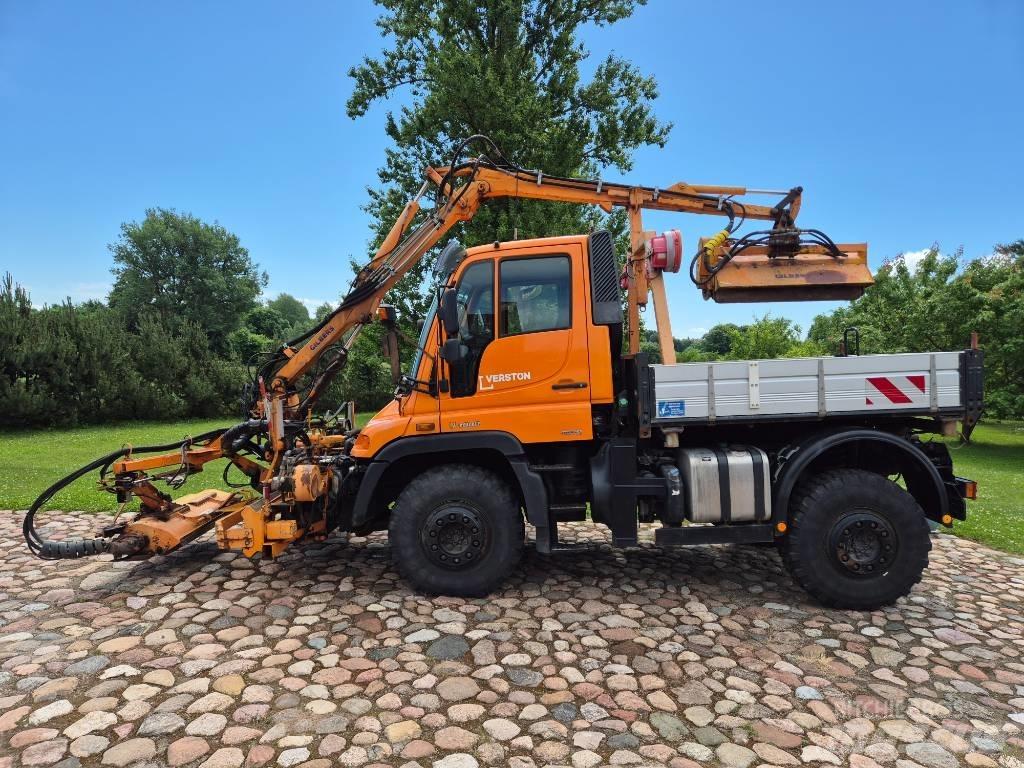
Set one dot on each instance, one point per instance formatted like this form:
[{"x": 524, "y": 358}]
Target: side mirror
[
  {"x": 453, "y": 351},
  {"x": 389, "y": 347},
  {"x": 449, "y": 313},
  {"x": 451, "y": 255}
]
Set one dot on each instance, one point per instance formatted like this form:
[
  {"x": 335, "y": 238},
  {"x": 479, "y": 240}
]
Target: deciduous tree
[
  {"x": 765, "y": 339},
  {"x": 510, "y": 69},
  {"x": 291, "y": 309},
  {"x": 179, "y": 267}
]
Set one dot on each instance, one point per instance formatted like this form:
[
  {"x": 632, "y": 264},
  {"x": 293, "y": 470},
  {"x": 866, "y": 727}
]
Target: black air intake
[{"x": 606, "y": 296}]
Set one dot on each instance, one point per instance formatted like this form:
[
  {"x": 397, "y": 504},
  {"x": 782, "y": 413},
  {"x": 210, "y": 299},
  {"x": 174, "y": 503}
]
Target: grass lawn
[
  {"x": 31, "y": 461},
  {"x": 995, "y": 458}
]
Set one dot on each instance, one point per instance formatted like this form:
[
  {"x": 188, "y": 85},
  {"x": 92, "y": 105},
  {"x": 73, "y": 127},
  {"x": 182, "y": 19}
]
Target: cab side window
[
  {"x": 535, "y": 295},
  {"x": 476, "y": 324}
]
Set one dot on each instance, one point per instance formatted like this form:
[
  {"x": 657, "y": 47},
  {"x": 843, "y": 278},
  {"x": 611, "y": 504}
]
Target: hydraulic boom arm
[{"x": 464, "y": 190}]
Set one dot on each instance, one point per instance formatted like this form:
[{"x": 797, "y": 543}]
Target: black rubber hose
[
  {"x": 36, "y": 543},
  {"x": 75, "y": 548}
]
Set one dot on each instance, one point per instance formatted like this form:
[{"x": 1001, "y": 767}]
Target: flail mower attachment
[{"x": 735, "y": 272}]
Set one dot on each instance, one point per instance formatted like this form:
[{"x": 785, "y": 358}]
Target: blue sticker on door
[{"x": 671, "y": 409}]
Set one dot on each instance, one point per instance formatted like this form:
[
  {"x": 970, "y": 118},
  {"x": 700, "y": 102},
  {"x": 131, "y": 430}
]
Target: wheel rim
[
  {"x": 864, "y": 543},
  {"x": 454, "y": 536}
]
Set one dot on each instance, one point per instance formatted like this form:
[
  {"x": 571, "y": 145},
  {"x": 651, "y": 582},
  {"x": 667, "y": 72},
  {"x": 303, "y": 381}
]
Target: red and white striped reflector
[{"x": 896, "y": 390}]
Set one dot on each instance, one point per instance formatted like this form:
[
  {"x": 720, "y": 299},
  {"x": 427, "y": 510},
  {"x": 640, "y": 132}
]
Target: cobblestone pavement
[{"x": 696, "y": 656}]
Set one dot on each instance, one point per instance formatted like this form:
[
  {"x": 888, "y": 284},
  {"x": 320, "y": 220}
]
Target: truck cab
[{"x": 531, "y": 361}]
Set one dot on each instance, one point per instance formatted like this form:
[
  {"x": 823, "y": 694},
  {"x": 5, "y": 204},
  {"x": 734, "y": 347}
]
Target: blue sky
[{"x": 903, "y": 122}]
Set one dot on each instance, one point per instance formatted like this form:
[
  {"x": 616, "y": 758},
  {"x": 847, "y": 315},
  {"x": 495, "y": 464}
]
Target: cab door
[{"x": 527, "y": 371}]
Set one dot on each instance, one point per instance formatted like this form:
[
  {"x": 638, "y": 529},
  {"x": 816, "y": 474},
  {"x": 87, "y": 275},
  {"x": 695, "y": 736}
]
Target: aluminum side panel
[{"x": 808, "y": 386}]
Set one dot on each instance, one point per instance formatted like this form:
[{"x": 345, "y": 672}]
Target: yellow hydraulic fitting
[{"x": 712, "y": 243}]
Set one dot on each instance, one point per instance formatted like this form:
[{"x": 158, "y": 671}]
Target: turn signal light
[{"x": 968, "y": 488}]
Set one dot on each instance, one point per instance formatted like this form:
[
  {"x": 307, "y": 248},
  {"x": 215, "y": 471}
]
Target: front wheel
[
  {"x": 456, "y": 530},
  {"x": 856, "y": 540}
]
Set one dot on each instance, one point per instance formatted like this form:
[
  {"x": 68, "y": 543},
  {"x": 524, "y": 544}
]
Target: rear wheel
[
  {"x": 456, "y": 530},
  {"x": 855, "y": 540}
]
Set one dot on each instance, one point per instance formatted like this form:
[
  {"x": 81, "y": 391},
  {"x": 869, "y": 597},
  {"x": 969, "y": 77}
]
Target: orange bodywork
[
  {"x": 538, "y": 387},
  {"x": 389, "y": 424},
  {"x": 535, "y": 386}
]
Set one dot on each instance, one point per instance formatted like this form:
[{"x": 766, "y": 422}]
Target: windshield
[{"x": 421, "y": 342}]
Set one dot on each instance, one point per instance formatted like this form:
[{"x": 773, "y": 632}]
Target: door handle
[{"x": 570, "y": 385}]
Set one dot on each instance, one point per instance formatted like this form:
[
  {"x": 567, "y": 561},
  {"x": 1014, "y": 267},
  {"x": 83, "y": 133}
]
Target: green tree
[
  {"x": 718, "y": 340},
  {"x": 652, "y": 349},
  {"x": 291, "y": 309},
  {"x": 71, "y": 364},
  {"x": 265, "y": 327},
  {"x": 906, "y": 310},
  {"x": 323, "y": 311},
  {"x": 180, "y": 267},
  {"x": 768, "y": 338},
  {"x": 991, "y": 293},
  {"x": 649, "y": 343},
  {"x": 695, "y": 354},
  {"x": 246, "y": 344},
  {"x": 266, "y": 321},
  {"x": 681, "y": 345},
  {"x": 366, "y": 379},
  {"x": 512, "y": 70}
]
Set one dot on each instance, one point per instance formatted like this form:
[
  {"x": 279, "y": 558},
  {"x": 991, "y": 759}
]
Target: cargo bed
[{"x": 939, "y": 384}]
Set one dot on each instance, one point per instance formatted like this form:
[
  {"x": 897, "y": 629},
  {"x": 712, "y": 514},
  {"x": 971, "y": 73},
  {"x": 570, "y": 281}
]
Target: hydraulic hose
[{"x": 71, "y": 549}]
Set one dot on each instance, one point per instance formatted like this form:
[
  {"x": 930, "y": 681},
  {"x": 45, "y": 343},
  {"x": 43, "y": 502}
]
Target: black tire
[
  {"x": 456, "y": 530},
  {"x": 856, "y": 540}
]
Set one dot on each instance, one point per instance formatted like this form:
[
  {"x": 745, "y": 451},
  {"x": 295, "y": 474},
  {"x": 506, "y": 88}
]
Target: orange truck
[{"x": 528, "y": 400}]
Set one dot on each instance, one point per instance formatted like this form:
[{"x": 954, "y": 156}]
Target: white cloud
[
  {"x": 691, "y": 333},
  {"x": 312, "y": 304},
  {"x": 913, "y": 259}
]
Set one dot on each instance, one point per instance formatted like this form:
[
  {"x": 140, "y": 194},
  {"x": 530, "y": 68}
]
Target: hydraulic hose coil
[{"x": 72, "y": 549}]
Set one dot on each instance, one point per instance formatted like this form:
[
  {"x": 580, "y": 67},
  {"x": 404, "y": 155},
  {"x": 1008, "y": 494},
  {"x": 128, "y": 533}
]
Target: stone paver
[{"x": 706, "y": 656}]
